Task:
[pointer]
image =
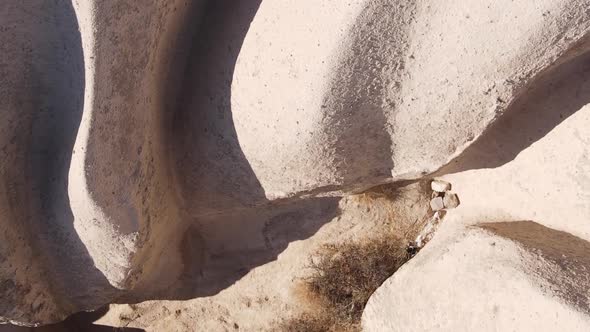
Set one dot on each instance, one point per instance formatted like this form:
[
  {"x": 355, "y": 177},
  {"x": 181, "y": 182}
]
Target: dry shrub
[
  {"x": 308, "y": 322},
  {"x": 342, "y": 281}
]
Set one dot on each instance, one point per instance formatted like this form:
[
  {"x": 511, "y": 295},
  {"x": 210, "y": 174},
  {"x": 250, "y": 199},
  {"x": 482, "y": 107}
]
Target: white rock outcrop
[
  {"x": 476, "y": 279},
  {"x": 514, "y": 254},
  {"x": 130, "y": 129}
]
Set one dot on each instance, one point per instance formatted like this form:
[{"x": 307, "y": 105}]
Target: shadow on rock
[
  {"x": 568, "y": 254},
  {"x": 219, "y": 250},
  {"x": 80, "y": 322},
  {"x": 58, "y": 85},
  {"x": 231, "y": 227},
  {"x": 43, "y": 87},
  {"x": 550, "y": 99},
  {"x": 213, "y": 174}
]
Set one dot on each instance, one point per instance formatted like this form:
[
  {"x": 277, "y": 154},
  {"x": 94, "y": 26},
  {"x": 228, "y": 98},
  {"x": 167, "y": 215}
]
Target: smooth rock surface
[
  {"x": 440, "y": 186},
  {"x": 130, "y": 132},
  {"x": 473, "y": 280},
  {"x": 490, "y": 267},
  {"x": 437, "y": 204}
]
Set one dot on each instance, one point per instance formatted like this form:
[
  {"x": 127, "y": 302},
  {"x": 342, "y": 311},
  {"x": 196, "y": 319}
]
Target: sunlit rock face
[
  {"x": 128, "y": 130},
  {"x": 514, "y": 254}
]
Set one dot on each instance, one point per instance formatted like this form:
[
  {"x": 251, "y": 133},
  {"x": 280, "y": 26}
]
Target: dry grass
[
  {"x": 343, "y": 280},
  {"x": 316, "y": 322}
]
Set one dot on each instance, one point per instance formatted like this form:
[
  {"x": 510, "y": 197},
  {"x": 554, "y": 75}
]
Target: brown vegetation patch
[{"x": 342, "y": 281}]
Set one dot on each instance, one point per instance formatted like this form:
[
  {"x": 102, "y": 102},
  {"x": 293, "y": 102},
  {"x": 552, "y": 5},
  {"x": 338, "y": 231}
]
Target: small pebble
[
  {"x": 437, "y": 204},
  {"x": 451, "y": 200},
  {"x": 440, "y": 186}
]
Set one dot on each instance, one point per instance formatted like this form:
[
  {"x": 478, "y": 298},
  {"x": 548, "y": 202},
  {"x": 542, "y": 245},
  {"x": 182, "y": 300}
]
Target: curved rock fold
[{"x": 142, "y": 143}]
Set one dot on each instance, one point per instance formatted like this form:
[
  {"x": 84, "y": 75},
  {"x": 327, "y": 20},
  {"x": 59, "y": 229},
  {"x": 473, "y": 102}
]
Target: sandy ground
[{"x": 269, "y": 293}]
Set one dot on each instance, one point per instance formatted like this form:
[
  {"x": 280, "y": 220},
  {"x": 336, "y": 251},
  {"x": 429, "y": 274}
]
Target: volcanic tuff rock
[
  {"x": 514, "y": 254},
  {"x": 129, "y": 129}
]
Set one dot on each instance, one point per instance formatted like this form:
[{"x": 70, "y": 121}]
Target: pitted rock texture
[
  {"x": 514, "y": 254},
  {"x": 128, "y": 128},
  {"x": 514, "y": 275}
]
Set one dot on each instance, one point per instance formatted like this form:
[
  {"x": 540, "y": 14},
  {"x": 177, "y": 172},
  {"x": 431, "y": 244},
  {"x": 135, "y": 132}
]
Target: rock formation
[
  {"x": 514, "y": 254},
  {"x": 163, "y": 149}
]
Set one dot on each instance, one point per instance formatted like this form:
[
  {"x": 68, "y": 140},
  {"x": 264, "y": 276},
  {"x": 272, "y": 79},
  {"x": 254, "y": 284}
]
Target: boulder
[
  {"x": 395, "y": 97},
  {"x": 514, "y": 254},
  {"x": 498, "y": 277}
]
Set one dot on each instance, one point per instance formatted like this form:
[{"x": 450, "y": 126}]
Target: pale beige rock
[
  {"x": 440, "y": 186},
  {"x": 472, "y": 280},
  {"x": 135, "y": 147},
  {"x": 450, "y": 200},
  {"x": 44, "y": 267},
  {"x": 400, "y": 94},
  {"x": 511, "y": 274},
  {"x": 437, "y": 204},
  {"x": 87, "y": 200}
]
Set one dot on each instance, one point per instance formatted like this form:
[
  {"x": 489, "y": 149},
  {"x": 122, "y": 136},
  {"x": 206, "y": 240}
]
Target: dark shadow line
[
  {"x": 58, "y": 83},
  {"x": 550, "y": 99},
  {"x": 231, "y": 251},
  {"x": 205, "y": 143},
  {"x": 79, "y": 322},
  {"x": 568, "y": 253}
]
